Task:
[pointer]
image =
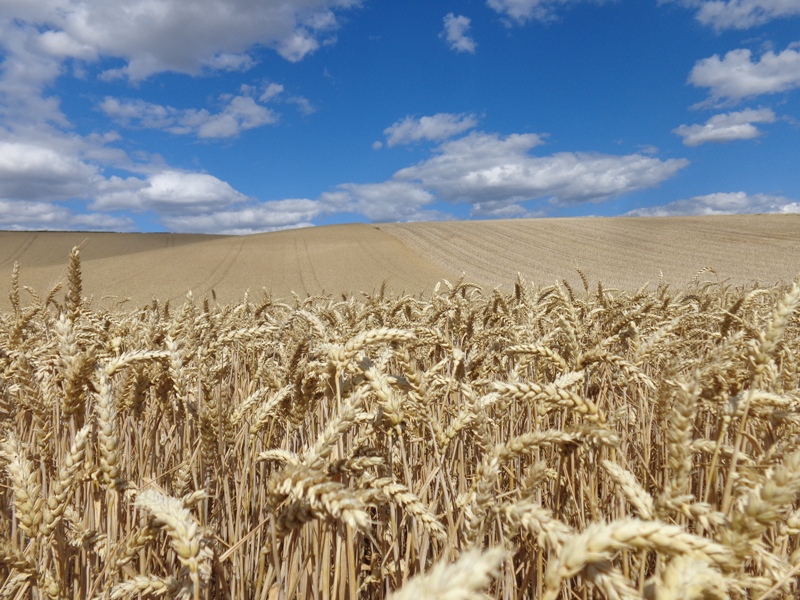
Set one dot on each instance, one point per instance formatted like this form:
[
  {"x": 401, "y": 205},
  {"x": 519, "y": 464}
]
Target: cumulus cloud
[
  {"x": 483, "y": 168},
  {"x": 245, "y": 220},
  {"x": 386, "y": 201},
  {"x": 723, "y": 203},
  {"x": 61, "y": 45},
  {"x": 239, "y": 113},
  {"x": 737, "y": 76},
  {"x": 456, "y": 32},
  {"x": 272, "y": 90},
  {"x": 503, "y": 210},
  {"x": 494, "y": 175},
  {"x": 167, "y": 192},
  {"x": 27, "y": 68},
  {"x": 522, "y": 11},
  {"x": 29, "y": 171},
  {"x": 726, "y": 127},
  {"x": 42, "y": 158},
  {"x": 230, "y": 62},
  {"x": 741, "y": 14},
  {"x": 174, "y": 35},
  {"x": 434, "y": 128},
  {"x": 40, "y": 171},
  {"x": 27, "y": 215}
]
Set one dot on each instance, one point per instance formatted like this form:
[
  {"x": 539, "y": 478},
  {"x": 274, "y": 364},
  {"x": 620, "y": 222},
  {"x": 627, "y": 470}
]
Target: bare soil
[
  {"x": 621, "y": 252},
  {"x": 409, "y": 257}
]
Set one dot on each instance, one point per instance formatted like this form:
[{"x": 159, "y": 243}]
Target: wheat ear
[
  {"x": 462, "y": 580},
  {"x": 107, "y": 430},
  {"x": 412, "y": 505},
  {"x": 339, "y": 356},
  {"x": 636, "y": 495},
  {"x": 599, "y": 541},
  {"x": 184, "y": 532},
  {"x": 63, "y": 485},
  {"x": 28, "y": 500},
  {"x": 687, "y": 578},
  {"x": 146, "y": 585}
]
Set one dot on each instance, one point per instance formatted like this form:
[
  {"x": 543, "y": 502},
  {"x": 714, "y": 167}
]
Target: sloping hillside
[
  {"x": 410, "y": 257},
  {"x": 621, "y": 252}
]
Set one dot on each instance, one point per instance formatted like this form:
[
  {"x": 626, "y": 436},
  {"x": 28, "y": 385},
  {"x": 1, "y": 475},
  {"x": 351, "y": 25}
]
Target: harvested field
[
  {"x": 411, "y": 257},
  {"x": 336, "y": 259},
  {"x": 620, "y": 252}
]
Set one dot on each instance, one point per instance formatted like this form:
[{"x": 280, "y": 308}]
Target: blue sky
[{"x": 241, "y": 116}]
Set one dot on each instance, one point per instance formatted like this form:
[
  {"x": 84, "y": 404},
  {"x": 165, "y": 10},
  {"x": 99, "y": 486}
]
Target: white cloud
[
  {"x": 29, "y": 171},
  {"x": 503, "y": 210},
  {"x": 522, "y": 11},
  {"x": 42, "y": 158},
  {"x": 230, "y": 62},
  {"x": 456, "y": 32},
  {"x": 264, "y": 216},
  {"x": 481, "y": 168},
  {"x": 26, "y": 215},
  {"x": 27, "y": 68},
  {"x": 49, "y": 168},
  {"x": 61, "y": 45},
  {"x": 648, "y": 149},
  {"x": 736, "y": 76},
  {"x": 726, "y": 127},
  {"x": 167, "y": 192},
  {"x": 271, "y": 91},
  {"x": 34, "y": 177},
  {"x": 741, "y": 14},
  {"x": 723, "y": 203},
  {"x": 385, "y": 201},
  {"x": 275, "y": 92},
  {"x": 238, "y": 114},
  {"x": 175, "y": 35},
  {"x": 435, "y": 128}
]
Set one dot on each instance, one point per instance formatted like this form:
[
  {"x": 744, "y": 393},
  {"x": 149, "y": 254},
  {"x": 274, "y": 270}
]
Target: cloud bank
[
  {"x": 173, "y": 35},
  {"x": 723, "y": 203},
  {"x": 52, "y": 177},
  {"x": 494, "y": 176},
  {"x": 483, "y": 168}
]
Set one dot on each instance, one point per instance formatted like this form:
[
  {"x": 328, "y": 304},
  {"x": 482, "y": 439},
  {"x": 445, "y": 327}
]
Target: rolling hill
[{"x": 409, "y": 257}]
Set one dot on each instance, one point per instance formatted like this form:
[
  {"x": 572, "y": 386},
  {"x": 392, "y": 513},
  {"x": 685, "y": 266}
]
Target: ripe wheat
[{"x": 529, "y": 445}]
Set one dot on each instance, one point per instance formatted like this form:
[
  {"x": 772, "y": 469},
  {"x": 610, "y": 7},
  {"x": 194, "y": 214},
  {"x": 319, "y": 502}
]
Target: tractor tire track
[
  {"x": 222, "y": 268},
  {"x": 26, "y": 243}
]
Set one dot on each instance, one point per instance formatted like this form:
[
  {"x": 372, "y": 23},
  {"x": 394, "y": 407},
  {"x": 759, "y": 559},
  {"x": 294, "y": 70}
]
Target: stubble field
[
  {"x": 571, "y": 434},
  {"x": 409, "y": 258}
]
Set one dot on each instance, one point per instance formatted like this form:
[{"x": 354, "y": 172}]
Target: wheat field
[{"x": 548, "y": 441}]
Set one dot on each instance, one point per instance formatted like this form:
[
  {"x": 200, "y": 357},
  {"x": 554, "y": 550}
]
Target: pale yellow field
[
  {"x": 537, "y": 442},
  {"x": 411, "y": 257},
  {"x": 620, "y": 252},
  {"x": 335, "y": 259}
]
